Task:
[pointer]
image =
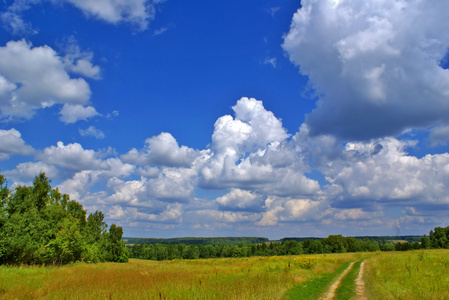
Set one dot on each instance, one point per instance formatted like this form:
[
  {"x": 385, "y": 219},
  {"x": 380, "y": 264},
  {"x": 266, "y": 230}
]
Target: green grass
[
  {"x": 347, "y": 288},
  {"x": 421, "y": 274},
  {"x": 314, "y": 287}
]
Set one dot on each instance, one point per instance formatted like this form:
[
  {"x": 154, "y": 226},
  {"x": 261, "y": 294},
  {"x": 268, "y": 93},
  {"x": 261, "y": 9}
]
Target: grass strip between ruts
[
  {"x": 314, "y": 287},
  {"x": 347, "y": 288}
]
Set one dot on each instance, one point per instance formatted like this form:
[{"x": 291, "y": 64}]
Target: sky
[{"x": 271, "y": 118}]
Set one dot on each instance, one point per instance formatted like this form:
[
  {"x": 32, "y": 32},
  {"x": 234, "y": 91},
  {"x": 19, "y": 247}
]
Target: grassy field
[
  {"x": 237, "y": 278},
  {"x": 396, "y": 275},
  {"x": 408, "y": 275}
]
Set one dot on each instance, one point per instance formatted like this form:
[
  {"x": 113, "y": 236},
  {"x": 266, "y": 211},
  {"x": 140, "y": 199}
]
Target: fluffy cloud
[
  {"x": 375, "y": 65},
  {"x": 240, "y": 200},
  {"x": 24, "y": 173},
  {"x": 253, "y": 128},
  {"x": 261, "y": 173},
  {"x": 36, "y": 77},
  {"x": 73, "y": 113},
  {"x": 72, "y": 157},
  {"x": 136, "y": 12},
  {"x": 162, "y": 150},
  {"x": 253, "y": 151},
  {"x": 11, "y": 143},
  {"x": 382, "y": 173}
]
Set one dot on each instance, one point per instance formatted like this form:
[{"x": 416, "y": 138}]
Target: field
[{"x": 387, "y": 275}]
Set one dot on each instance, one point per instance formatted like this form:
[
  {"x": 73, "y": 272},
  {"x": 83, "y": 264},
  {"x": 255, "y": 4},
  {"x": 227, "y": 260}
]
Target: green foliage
[{"x": 39, "y": 225}]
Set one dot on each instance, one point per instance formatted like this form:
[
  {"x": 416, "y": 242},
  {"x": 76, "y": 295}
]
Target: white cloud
[
  {"x": 92, "y": 131},
  {"x": 252, "y": 151},
  {"x": 173, "y": 185},
  {"x": 260, "y": 172},
  {"x": 80, "y": 62},
  {"x": 172, "y": 214},
  {"x": 11, "y": 143},
  {"x": 374, "y": 65},
  {"x": 35, "y": 77},
  {"x": 24, "y": 173},
  {"x": 73, "y": 113},
  {"x": 137, "y": 12},
  {"x": 72, "y": 157},
  {"x": 81, "y": 183},
  {"x": 13, "y": 21},
  {"x": 381, "y": 172},
  {"x": 240, "y": 200},
  {"x": 162, "y": 150}
]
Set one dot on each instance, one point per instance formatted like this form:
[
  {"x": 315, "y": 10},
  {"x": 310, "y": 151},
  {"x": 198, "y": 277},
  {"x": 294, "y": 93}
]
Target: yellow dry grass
[{"x": 228, "y": 278}]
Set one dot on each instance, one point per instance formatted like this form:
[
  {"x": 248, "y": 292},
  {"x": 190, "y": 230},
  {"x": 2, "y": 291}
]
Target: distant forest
[
  {"x": 194, "y": 248},
  {"x": 197, "y": 240}
]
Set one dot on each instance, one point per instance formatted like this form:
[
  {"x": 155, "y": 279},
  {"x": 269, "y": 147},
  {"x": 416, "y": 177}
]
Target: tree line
[
  {"x": 438, "y": 238},
  {"x": 331, "y": 244},
  {"x": 198, "y": 240},
  {"x": 39, "y": 225}
]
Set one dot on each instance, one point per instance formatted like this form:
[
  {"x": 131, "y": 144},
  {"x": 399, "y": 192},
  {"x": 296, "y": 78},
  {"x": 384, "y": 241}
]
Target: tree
[{"x": 39, "y": 225}]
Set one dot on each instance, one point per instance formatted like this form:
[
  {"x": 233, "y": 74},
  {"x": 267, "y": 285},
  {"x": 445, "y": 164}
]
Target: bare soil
[
  {"x": 360, "y": 284},
  {"x": 330, "y": 294}
]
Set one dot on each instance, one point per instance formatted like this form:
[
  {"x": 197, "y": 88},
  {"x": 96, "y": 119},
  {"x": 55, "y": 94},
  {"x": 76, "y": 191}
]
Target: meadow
[{"x": 419, "y": 274}]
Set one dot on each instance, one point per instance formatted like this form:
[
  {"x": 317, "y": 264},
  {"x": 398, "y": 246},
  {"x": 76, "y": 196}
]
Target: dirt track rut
[
  {"x": 360, "y": 284},
  {"x": 330, "y": 294}
]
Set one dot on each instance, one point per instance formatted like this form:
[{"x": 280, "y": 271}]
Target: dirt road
[
  {"x": 330, "y": 294},
  {"x": 360, "y": 284}
]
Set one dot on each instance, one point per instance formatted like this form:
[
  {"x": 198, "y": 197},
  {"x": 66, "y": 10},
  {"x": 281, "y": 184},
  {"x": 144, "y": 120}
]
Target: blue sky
[{"x": 230, "y": 118}]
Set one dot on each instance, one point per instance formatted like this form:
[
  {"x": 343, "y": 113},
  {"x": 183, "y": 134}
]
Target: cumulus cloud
[
  {"x": 381, "y": 172},
  {"x": 72, "y": 157},
  {"x": 11, "y": 143},
  {"x": 375, "y": 65},
  {"x": 36, "y": 77},
  {"x": 260, "y": 171},
  {"x": 73, "y": 113},
  {"x": 240, "y": 200},
  {"x": 172, "y": 214},
  {"x": 253, "y": 151},
  {"x": 162, "y": 150},
  {"x": 81, "y": 183},
  {"x": 24, "y": 173}
]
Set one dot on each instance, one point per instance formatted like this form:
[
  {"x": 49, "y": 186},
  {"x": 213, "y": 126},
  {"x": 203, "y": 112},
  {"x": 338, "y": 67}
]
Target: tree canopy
[{"x": 39, "y": 225}]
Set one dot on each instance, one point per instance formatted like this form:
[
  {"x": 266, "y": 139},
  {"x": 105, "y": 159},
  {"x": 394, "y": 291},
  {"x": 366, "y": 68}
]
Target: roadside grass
[
  {"x": 347, "y": 288},
  {"x": 314, "y": 287},
  {"x": 322, "y": 275},
  {"x": 420, "y": 274},
  {"x": 224, "y": 278}
]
